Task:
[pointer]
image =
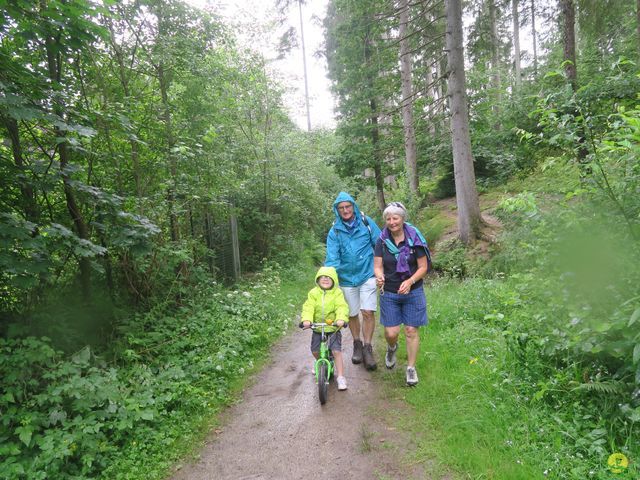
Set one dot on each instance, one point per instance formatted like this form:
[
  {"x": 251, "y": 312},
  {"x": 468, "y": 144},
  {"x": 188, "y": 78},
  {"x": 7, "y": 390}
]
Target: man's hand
[
  {"x": 380, "y": 281},
  {"x": 340, "y": 323}
]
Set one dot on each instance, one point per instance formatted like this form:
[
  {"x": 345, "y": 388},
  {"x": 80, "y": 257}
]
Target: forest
[{"x": 161, "y": 215}]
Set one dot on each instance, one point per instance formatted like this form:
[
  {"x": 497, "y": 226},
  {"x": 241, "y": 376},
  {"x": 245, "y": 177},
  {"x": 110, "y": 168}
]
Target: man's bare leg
[{"x": 368, "y": 327}]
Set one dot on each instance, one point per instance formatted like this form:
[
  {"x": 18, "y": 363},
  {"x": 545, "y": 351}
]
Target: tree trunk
[
  {"x": 171, "y": 160},
  {"x": 568, "y": 10},
  {"x": 54, "y": 64},
  {"x": 495, "y": 61},
  {"x": 29, "y": 204},
  {"x": 304, "y": 65},
  {"x": 377, "y": 167},
  {"x": 124, "y": 82},
  {"x": 533, "y": 38},
  {"x": 516, "y": 43},
  {"x": 407, "y": 100},
  {"x": 469, "y": 218},
  {"x": 569, "y": 41},
  {"x": 638, "y": 24}
]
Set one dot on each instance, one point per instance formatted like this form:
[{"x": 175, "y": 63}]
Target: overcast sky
[{"x": 251, "y": 14}]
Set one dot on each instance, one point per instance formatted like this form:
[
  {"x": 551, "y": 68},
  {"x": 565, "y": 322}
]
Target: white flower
[
  {"x": 219, "y": 368},
  {"x": 246, "y": 294}
]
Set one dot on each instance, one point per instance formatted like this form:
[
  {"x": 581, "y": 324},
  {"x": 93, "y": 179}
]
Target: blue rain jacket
[{"x": 350, "y": 250}]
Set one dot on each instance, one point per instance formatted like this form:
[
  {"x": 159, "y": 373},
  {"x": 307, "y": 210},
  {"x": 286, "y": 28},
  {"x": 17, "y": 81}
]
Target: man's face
[{"x": 345, "y": 209}]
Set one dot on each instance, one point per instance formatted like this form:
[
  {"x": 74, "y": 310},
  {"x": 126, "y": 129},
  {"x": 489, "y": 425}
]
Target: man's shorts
[
  {"x": 363, "y": 297},
  {"x": 410, "y": 309},
  {"x": 335, "y": 341}
]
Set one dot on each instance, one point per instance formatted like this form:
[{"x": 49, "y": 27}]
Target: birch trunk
[
  {"x": 533, "y": 37},
  {"x": 569, "y": 41},
  {"x": 516, "y": 43}
]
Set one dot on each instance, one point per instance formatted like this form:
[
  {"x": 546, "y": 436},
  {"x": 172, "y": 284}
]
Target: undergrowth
[
  {"x": 132, "y": 410},
  {"x": 530, "y": 365}
]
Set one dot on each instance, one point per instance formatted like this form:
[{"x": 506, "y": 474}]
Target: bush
[{"x": 114, "y": 414}]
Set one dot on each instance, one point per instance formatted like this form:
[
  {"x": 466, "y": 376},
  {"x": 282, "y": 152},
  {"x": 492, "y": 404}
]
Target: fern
[{"x": 611, "y": 387}]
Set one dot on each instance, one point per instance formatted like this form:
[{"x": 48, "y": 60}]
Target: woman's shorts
[
  {"x": 410, "y": 309},
  {"x": 362, "y": 297},
  {"x": 335, "y": 341}
]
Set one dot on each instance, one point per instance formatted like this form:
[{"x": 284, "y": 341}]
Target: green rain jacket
[{"x": 326, "y": 305}]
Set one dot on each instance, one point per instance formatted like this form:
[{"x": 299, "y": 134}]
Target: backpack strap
[{"x": 366, "y": 223}]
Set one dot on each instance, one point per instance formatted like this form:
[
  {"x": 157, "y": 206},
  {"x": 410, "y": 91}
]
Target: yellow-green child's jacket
[{"x": 326, "y": 305}]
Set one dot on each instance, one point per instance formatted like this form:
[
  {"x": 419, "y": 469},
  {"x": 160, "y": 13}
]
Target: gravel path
[{"x": 280, "y": 431}]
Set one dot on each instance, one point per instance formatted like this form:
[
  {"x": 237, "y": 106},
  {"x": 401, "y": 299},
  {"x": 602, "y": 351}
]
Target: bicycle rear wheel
[{"x": 323, "y": 382}]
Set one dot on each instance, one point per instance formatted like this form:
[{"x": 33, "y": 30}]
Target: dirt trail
[{"x": 280, "y": 431}]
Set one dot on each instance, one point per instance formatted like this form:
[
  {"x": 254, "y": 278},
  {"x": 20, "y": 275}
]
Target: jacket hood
[
  {"x": 329, "y": 272},
  {"x": 345, "y": 197}
]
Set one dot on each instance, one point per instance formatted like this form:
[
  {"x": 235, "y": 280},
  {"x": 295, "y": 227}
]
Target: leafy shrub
[
  {"x": 113, "y": 415},
  {"x": 451, "y": 260}
]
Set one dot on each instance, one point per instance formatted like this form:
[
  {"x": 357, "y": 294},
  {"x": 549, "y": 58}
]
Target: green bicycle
[{"x": 324, "y": 364}]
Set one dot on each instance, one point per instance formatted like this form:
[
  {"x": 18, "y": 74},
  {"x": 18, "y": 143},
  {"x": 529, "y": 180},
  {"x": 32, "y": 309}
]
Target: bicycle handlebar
[{"x": 321, "y": 324}]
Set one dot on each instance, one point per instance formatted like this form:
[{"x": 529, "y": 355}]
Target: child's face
[{"x": 325, "y": 282}]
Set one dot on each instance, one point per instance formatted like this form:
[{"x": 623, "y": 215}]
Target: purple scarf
[{"x": 411, "y": 239}]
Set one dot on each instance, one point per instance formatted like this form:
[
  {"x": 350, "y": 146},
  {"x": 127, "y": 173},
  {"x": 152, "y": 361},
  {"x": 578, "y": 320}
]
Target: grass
[
  {"x": 458, "y": 420},
  {"x": 471, "y": 414}
]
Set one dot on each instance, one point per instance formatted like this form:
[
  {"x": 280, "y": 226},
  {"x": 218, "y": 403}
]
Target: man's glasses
[{"x": 345, "y": 207}]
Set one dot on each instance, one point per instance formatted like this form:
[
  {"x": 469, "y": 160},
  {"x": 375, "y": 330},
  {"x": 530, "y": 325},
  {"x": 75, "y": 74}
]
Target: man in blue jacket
[{"x": 350, "y": 250}]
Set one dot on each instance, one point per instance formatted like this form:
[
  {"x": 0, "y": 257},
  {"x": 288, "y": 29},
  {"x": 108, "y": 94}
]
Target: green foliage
[
  {"x": 118, "y": 414},
  {"x": 452, "y": 259}
]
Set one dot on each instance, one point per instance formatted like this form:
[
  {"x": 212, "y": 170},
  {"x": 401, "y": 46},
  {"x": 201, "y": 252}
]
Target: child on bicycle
[{"x": 326, "y": 303}]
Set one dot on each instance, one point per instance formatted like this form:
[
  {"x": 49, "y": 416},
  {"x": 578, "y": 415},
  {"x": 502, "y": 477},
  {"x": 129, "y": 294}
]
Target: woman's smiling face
[{"x": 394, "y": 223}]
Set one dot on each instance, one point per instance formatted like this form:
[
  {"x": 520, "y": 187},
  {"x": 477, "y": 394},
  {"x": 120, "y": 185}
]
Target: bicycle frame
[
  {"x": 323, "y": 367},
  {"x": 324, "y": 356}
]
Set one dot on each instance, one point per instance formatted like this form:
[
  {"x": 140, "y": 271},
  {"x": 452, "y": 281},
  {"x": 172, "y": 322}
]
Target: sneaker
[
  {"x": 342, "y": 383},
  {"x": 357, "y": 352},
  {"x": 367, "y": 355},
  {"x": 390, "y": 357},
  {"x": 412, "y": 376}
]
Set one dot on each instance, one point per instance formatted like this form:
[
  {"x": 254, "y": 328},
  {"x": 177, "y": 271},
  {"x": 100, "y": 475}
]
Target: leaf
[
  {"x": 634, "y": 317},
  {"x": 83, "y": 356},
  {"x": 24, "y": 434},
  {"x": 146, "y": 415},
  {"x": 636, "y": 353}
]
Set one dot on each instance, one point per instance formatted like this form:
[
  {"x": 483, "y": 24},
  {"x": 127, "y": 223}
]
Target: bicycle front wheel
[{"x": 323, "y": 382}]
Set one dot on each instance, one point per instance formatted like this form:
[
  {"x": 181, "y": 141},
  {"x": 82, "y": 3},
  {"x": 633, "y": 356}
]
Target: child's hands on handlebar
[{"x": 306, "y": 324}]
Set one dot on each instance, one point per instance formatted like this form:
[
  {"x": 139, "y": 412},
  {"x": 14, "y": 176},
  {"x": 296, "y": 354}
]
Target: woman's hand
[
  {"x": 340, "y": 323},
  {"x": 405, "y": 287},
  {"x": 380, "y": 280},
  {"x": 306, "y": 324}
]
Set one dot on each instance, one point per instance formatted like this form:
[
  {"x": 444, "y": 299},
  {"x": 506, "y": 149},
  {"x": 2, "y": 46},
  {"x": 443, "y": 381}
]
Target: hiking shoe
[
  {"x": 390, "y": 357},
  {"x": 342, "y": 383},
  {"x": 367, "y": 356},
  {"x": 412, "y": 376},
  {"x": 357, "y": 352}
]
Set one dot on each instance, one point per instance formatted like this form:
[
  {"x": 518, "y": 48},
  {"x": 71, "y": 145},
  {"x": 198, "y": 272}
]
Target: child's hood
[{"x": 329, "y": 272}]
